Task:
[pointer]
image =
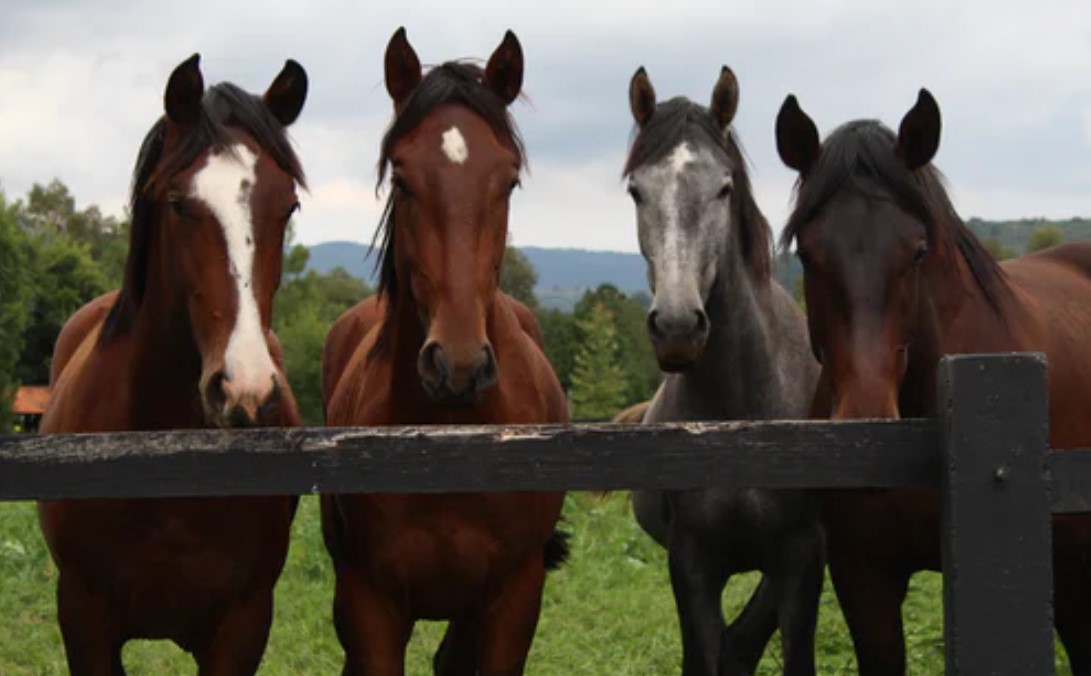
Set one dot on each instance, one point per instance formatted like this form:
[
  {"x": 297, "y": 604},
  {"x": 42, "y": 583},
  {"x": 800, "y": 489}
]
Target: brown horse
[
  {"x": 441, "y": 344},
  {"x": 185, "y": 343},
  {"x": 893, "y": 281},
  {"x": 633, "y": 414}
]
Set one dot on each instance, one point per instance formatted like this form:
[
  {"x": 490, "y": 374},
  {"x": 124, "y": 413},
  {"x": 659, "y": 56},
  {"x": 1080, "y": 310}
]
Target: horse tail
[{"x": 556, "y": 550}]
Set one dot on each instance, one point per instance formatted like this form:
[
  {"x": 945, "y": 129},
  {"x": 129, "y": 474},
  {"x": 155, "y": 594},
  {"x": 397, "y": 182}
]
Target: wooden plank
[
  {"x": 997, "y": 581},
  {"x": 1070, "y": 481},
  {"x": 459, "y": 459}
]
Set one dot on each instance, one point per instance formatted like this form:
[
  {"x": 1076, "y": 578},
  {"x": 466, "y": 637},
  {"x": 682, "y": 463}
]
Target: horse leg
[
  {"x": 238, "y": 642},
  {"x": 743, "y": 641},
  {"x": 798, "y": 610},
  {"x": 510, "y": 618},
  {"x": 871, "y": 601},
  {"x": 457, "y": 653},
  {"x": 373, "y": 631},
  {"x": 697, "y": 578},
  {"x": 92, "y": 644}
]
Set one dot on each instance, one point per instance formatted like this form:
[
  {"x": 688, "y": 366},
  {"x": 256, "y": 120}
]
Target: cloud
[{"x": 82, "y": 82}]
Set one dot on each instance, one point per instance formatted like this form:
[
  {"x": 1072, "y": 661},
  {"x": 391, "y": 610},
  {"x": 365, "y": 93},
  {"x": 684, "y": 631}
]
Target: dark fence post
[{"x": 997, "y": 554}]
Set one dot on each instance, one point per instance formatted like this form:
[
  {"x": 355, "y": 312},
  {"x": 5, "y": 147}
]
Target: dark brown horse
[
  {"x": 441, "y": 344},
  {"x": 893, "y": 281},
  {"x": 185, "y": 343}
]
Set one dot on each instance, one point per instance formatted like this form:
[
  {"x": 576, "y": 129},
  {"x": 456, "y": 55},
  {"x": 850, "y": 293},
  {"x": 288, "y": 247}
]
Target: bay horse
[
  {"x": 440, "y": 344},
  {"x": 185, "y": 343},
  {"x": 894, "y": 280},
  {"x": 733, "y": 344}
]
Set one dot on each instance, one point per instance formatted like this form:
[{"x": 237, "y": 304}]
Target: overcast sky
[{"x": 81, "y": 81}]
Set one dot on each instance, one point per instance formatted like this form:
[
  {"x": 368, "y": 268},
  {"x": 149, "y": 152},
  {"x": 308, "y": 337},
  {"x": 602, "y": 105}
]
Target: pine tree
[{"x": 598, "y": 381}]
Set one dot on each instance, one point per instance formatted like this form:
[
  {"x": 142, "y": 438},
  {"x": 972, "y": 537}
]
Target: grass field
[{"x": 608, "y": 612}]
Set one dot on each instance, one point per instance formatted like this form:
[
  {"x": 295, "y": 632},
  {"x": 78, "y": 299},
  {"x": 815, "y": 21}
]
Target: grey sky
[{"x": 81, "y": 81}]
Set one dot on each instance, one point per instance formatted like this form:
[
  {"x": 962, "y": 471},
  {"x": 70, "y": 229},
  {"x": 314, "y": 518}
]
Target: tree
[
  {"x": 598, "y": 381},
  {"x": 64, "y": 276},
  {"x": 518, "y": 277},
  {"x": 306, "y": 307},
  {"x": 634, "y": 349},
  {"x": 561, "y": 337},
  {"x": 1044, "y": 237},
  {"x": 998, "y": 250},
  {"x": 15, "y": 300},
  {"x": 50, "y": 211}
]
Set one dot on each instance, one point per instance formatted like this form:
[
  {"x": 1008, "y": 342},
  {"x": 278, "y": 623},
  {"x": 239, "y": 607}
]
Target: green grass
[{"x": 609, "y": 611}]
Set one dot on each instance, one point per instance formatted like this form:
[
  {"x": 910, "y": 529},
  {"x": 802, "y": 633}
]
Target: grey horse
[{"x": 734, "y": 346}]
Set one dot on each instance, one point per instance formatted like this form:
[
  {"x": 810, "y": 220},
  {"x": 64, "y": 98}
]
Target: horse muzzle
[
  {"x": 679, "y": 338},
  {"x": 456, "y": 382},
  {"x": 231, "y": 405}
]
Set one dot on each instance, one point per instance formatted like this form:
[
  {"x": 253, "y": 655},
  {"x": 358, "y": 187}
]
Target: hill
[{"x": 564, "y": 274}]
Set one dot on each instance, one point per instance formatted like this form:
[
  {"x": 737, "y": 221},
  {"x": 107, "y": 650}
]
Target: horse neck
[
  {"x": 164, "y": 368},
  {"x": 738, "y": 362}
]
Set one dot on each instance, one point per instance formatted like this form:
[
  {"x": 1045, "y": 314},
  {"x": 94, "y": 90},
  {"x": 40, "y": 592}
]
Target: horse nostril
[
  {"x": 488, "y": 372},
  {"x": 272, "y": 402},
  {"x": 432, "y": 365},
  {"x": 702, "y": 321},
  {"x": 214, "y": 390},
  {"x": 653, "y": 326}
]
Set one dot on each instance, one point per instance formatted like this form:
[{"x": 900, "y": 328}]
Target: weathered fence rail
[{"x": 987, "y": 455}]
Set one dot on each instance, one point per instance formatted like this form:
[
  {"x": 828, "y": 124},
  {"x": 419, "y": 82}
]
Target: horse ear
[
  {"x": 285, "y": 97},
  {"x": 797, "y": 137},
  {"x": 504, "y": 72},
  {"x": 185, "y": 89},
  {"x": 918, "y": 135},
  {"x": 725, "y": 98},
  {"x": 641, "y": 97},
  {"x": 401, "y": 67}
]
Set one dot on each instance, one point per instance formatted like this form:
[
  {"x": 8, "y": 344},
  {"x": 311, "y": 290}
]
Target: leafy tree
[
  {"x": 518, "y": 277},
  {"x": 306, "y": 307},
  {"x": 50, "y": 211},
  {"x": 598, "y": 381},
  {"x": 561, "y": 337},
  {"x": 15, "y": 298},
  {"x": 998, "y": 250},
  {"x": 634, "y": 350},
  {"x": 1044, "y": 237},
  {"x": 64, "y": 277}
]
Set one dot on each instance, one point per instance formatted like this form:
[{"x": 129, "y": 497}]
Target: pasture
[{"x": 608, "y": 611}]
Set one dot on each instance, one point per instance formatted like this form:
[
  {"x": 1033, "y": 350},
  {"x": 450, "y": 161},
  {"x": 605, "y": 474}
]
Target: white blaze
[
  {"x": 224, "y": 185},
  {"x": 454, "y": 146},
  {"x": 672, "y": 232}
]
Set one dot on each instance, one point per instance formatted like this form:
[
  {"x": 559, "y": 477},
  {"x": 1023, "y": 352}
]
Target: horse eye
[
  {"x": 175, "y": 201},
  {"x": 293, "y": 210},
  {"x": 400, "y": 185},
  {"x": 635, "y": 195},
  {"x": 514, "y": 184},
  {"x": 919, "y": 256},
  {"x": 726, "y": 190}
]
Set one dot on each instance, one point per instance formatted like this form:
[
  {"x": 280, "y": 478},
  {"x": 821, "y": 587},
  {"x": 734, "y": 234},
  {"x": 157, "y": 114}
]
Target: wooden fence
[{"x": 987, "y": 455}]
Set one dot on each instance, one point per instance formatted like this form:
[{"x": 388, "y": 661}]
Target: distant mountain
[{"x": 564, "y": 274}]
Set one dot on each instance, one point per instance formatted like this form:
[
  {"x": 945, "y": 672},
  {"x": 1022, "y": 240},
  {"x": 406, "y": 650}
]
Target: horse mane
[
  {"x": 453, "y": 82},
  {"x": 860, "y": 157},
  {"x": 680, "y": 119},
  {"x": 223, "y": 106}
]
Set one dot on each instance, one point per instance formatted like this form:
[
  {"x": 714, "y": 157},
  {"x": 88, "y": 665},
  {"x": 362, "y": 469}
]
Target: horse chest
[{"x": 164, "y": 564}]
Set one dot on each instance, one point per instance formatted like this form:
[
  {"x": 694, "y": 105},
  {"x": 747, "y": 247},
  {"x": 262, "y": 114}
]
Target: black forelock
[{"x": 861, "y": 157}]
